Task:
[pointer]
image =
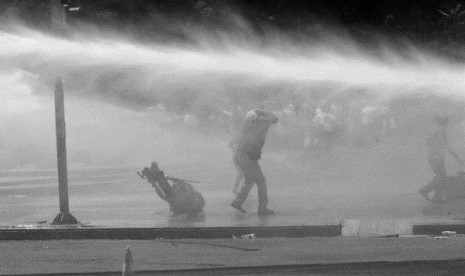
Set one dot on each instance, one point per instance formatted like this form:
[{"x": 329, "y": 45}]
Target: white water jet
[{"x": 34, "y": 59}]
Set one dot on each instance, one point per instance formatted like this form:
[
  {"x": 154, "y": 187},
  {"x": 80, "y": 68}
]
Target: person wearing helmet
[{"x": 247, "y": 152}]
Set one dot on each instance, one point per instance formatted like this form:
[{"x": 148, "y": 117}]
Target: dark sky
[{"x": 417, "y": 19}]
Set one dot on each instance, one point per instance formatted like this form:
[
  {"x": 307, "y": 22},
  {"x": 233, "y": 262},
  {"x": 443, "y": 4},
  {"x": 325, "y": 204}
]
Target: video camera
[
  {"x": 148, "y": 173},
  {"x": 144, "y": 173}
]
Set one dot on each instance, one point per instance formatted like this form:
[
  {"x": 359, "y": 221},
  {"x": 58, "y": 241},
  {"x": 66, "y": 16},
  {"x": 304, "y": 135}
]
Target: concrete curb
[
  {"x": 386, "y": 227},
  {"x": 381, "y": 227},
  {"x": 169, "y": 233},
  {"x": 347, "y": 228}
]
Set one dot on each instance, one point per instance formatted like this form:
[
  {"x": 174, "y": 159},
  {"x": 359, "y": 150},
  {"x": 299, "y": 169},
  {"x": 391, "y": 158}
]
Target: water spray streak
[{"x": 282, "y": 64}]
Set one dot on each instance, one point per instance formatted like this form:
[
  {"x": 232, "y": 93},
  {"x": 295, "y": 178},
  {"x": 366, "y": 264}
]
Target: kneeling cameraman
[{"x": 181, "y": 196}]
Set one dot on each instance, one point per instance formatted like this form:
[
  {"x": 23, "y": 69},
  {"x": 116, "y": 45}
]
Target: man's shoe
[
  {"x": 238, "y": 207},
  {"x": 265, "y": 212}
]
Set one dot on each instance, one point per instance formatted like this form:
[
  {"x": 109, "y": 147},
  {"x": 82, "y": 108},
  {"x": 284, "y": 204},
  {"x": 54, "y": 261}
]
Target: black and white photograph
[{"x": 231, "y": 137}]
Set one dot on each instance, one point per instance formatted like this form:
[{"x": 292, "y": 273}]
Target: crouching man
[
  {"x": 181, "y": 195},
  {"x": 247, "y": 152}
]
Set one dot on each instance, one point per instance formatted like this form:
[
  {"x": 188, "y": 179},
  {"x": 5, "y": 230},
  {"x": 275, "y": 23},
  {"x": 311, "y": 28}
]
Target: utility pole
[
  {"x": 64, "y": 217},
  {"x": 58, "y": 13}
]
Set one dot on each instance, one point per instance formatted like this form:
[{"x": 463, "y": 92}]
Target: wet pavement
[
  {"x": 303, "y": 190},
  {"x": 368, "y": 198}
]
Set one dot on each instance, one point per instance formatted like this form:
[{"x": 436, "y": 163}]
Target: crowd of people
[
  {"x": 311, "y": 126},
  {"x": 248, "y": 144},
  {"x": 315, "y": 127}
]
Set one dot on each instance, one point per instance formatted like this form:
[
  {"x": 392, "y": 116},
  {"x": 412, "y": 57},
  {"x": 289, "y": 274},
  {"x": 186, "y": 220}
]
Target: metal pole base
[{"x": 65, "y": 218}]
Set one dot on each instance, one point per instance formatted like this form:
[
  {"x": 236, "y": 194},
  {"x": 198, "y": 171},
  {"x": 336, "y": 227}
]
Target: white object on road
[
  {"x": 248, "y": 236},
  {"x": 449, "y": 233},
  {"x": 128, "y": 263}
]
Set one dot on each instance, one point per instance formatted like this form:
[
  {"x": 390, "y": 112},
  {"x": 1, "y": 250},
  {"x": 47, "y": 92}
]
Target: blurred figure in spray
[
  {"x": 376, "y": 122},
  {"x": 237, "y": 122},
  {"x": 240, "y": 175},
  {"x": 324, "y": 130},
  {"x": 438, "y": 146},
  {"x": 247, "y": 152}
]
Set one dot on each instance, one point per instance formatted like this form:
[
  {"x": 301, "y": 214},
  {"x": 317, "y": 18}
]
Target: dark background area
[{"x": 420, "y": 21}]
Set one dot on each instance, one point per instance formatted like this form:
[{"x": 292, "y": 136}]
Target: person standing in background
[{"x": 438, "y": 147}]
